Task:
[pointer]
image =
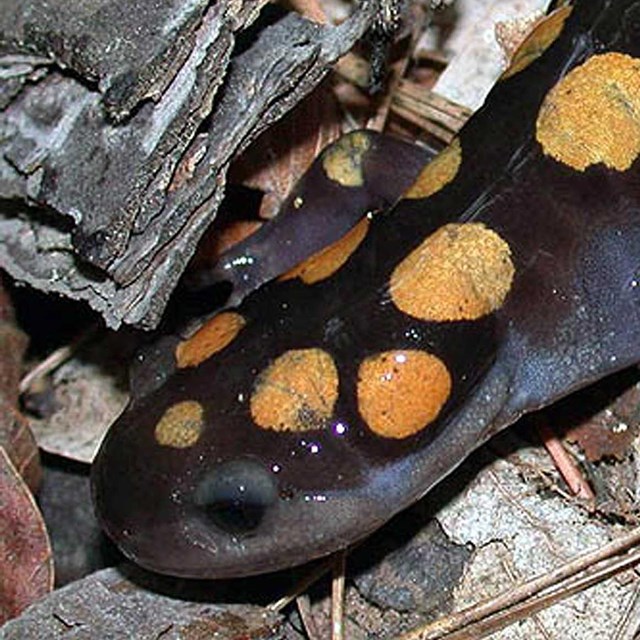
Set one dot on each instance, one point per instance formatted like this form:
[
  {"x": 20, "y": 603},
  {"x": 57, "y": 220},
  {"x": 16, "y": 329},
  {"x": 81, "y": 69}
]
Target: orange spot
[
  {"x": 342, "y": 161},
  {"x": 402, "y": 392},
  {"x": 212, "y": 337},
  {"x": 438, "y": 173},
  {"x": 296, "y": 392},
  {"x": 181, "y": 425},
  {"x": 326, "y": 262},
  {"x": 593, "y": 114},
  {"x": 543, "y": 34},
  {"x": 460, "y": 272}
]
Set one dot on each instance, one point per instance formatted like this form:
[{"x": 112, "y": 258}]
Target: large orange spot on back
[
  {"x": 438, "y": 173},
  {"x": 212, "y": 337},
  {"x": 325, "y": 263},
  {"x": 460, "y": 272},
  {"x": 296, "y": 392},
  {"x": 181, "y": 425},
  {"x": 342, "y": 161},
  {"x": 593, "y": 114},
  {"x": 402, "y": 392},
  {"x": 542, "y": 36}
]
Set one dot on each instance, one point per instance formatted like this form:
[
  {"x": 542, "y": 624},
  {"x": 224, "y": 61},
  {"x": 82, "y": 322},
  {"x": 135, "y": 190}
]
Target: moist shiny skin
[{"x": 330, "y": 402}]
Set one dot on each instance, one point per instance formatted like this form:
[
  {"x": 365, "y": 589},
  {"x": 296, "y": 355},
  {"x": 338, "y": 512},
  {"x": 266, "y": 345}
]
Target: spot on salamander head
[
  {"x": 296, "y": 392},
  {"x": 460, "y": 272},
  {"x": 342, "y": 161},
  {"x": 592, "y": 115},
  {"x": 212, "y": 337},
  {"x": 402, "y": 392},
  {"x": 325, "y": 263},
  {"x": 438, "y": 173},
  {"x": 542, "y": 36},
  {"x": 181, "y": 425}
]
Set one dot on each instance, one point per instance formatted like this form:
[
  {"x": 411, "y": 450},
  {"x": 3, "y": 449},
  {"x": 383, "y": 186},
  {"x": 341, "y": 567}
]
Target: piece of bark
[
  {"x": 275, "y": 82},
  {"x": 131, "y": 50},
  {"x": 97, "y": 173},
  {"x": 108, "y": 605},
  {"x": 15, "y": 71},
  {"x": 416, "y": 572},
  {"x": 131, "y": 199}
]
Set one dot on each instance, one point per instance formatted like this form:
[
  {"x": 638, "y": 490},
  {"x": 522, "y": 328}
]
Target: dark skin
[{"x": 237, "y": 498}]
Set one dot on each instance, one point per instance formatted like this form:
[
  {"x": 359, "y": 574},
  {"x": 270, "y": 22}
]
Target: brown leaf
[
  {"x": 310, "y": 9},
  {"x": 19, "y": 443},
  {"x": 13, "y": 344},
  {"x": 15, "y": 435},
  {"x": 278, "y": 158},
  {"x": 610, "y": 432},
  {"x": 26, "y": 564}
]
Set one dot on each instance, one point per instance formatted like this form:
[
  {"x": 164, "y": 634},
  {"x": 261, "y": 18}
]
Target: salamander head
[
  {"x": 183, "y": 504},
  {"x": 249, "y": 462}
]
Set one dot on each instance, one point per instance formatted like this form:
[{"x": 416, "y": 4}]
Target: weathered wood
[{"x": 105, "y": 192}]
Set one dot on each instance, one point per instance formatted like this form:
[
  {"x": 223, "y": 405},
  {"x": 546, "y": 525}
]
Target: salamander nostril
[{"x": 235, "y": 495}]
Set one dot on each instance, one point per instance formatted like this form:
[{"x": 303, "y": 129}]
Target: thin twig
[
  {"x": 337, "y": 595},
  {"x": 428, "y": 110},
  {"x": 302, "y": 585},
  {"x": 564, "y": 463},
  {"x": 308, "y": 621},
  {"x": 471, "y": 615},
  {"x": 56, "y": 358},
  {"x": 527, "y": 608},
  {"x": 629, "y": 625}
]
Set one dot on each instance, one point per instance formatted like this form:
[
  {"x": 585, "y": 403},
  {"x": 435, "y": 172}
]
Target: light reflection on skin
[{"x": 340, "y": 428}]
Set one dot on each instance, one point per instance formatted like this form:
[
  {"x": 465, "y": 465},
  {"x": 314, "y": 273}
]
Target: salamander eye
[{"x": 235, "y": 495}]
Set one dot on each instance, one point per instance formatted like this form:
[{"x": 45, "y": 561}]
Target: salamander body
[{"x": 506, "y": 277}]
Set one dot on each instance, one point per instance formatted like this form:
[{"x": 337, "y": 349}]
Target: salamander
[{"x": 506, "y": 277}]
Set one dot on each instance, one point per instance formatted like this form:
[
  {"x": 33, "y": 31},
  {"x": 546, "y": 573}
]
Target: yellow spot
[
  {"x": 438, "y": 173},
  {"x": 296, "y": 392},
  {"x": 212, "y": 337},
  {"x": 460, "y": 272},
  {"x": 342, "y": 161},
  {"x": 541, "y": 37},
  {"x": 593, "y": 114},
  {"x": 402, "y": 392},
  {"x": 326, "y": 262},
  {"x": 181, "y": 425}
]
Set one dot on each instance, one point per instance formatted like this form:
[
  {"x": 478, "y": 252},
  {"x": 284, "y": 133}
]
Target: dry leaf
[
  {"x": 478, "y": 59},
  {"x": 26, "y": 564},
  {"x": 276, "y": 161},
  {"x": 91, "y": 390},
  {"x": 15, "y": 435},
  {"x": 610, "y": 432}
]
